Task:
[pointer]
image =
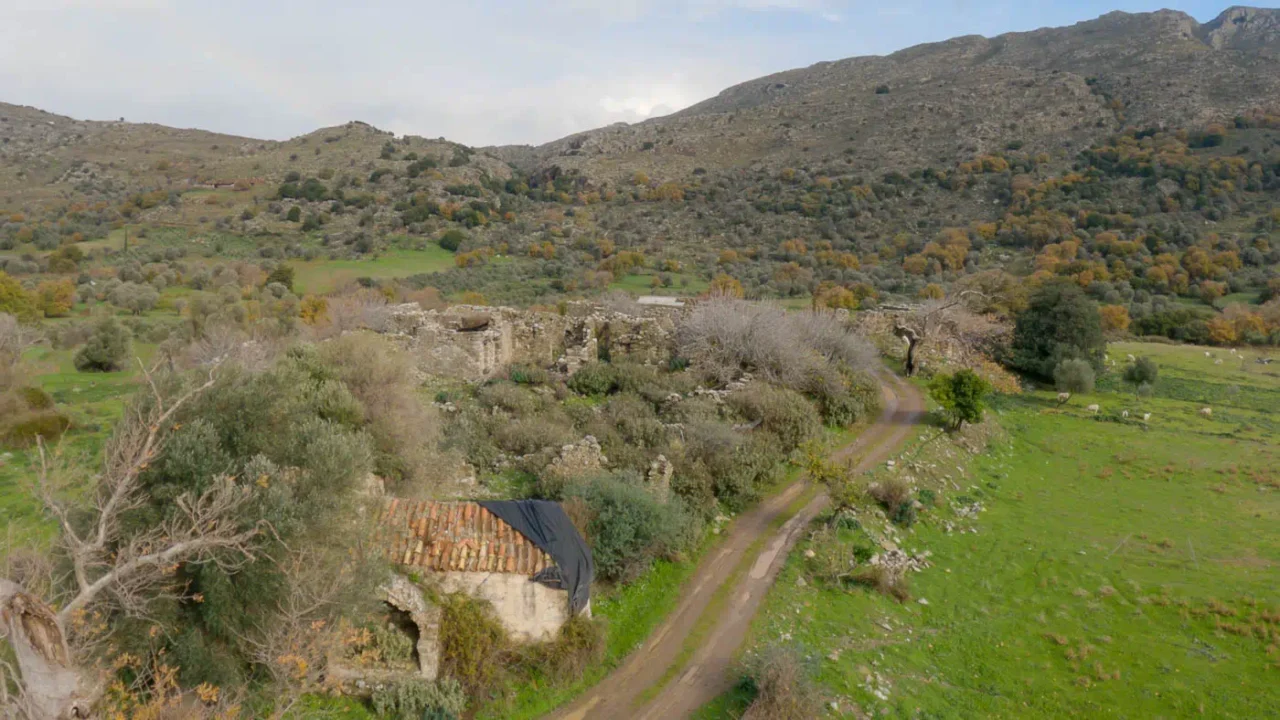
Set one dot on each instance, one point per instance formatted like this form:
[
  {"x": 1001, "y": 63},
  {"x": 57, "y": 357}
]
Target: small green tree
[
  {"x": 452, "y": 239},
  {"x": 1074, "y": 375},
  {"x": 962, "y": 396},
  {"x": 1143, "y": 371},
  {"x": 1060, "y": 323},
  {"x": 106, "y": 350},
  {"x": 295, "y": 214},
  {"x": 282, "y": 274},
  {"x": 15, "y": 300}
]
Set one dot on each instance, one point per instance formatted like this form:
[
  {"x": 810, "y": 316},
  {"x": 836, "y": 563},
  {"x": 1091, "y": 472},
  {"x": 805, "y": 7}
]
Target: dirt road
[{"x": 662, "y": 680}]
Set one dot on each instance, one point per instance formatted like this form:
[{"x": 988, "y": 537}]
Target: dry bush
[
  {"x": 13, "y": 340},
  {"x": 579, "y": 645},
  {"x": 428, "y": 298},
  {"x": 226, "y": 343},
  {"x": 891, "y": 492},
  {"x": 405, "y": 429},
  {"x": 359, "y": 309},
  {"x": 830, "y": 336},
  {"x": 621, "y": 302},
  {"x": 725, "y": 337},
  {"x": 885, "y": 580},
  {"x": 783, "y": 690}
]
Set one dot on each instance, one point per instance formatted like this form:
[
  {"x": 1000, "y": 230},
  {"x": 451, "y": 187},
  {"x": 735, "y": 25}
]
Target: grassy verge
[{"x": 1085, "y": 565}]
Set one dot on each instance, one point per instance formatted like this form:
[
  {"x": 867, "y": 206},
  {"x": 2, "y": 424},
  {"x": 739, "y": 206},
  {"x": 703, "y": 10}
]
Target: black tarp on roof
[{"x": 546, "y": 524}]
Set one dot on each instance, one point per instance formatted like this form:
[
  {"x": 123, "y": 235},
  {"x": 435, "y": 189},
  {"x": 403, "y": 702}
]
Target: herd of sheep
[{"x": 1204, "y": 412}]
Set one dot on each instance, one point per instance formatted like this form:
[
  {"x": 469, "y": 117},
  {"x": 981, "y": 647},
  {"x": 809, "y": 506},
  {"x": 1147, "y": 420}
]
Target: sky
[{"x": 481, "y": 72}]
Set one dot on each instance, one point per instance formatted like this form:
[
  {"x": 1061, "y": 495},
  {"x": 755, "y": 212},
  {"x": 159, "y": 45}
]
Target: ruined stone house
[
  {"x": 475, "y": 342},
  {"x": 463, "y": 547}
]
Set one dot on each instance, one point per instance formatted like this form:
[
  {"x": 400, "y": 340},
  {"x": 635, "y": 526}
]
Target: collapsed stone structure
[{"x": 474, "y": 342}]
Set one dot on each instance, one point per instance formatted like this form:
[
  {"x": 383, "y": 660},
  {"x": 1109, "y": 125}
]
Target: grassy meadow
[{"x": 1082, "y": 565}]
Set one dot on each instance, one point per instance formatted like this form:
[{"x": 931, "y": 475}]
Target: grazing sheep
[
  {"x": 1132, "y": 358},
  {"x": 1208, "y": 354},
  {"x": 1218, "y": 361},
  {"x": 1124, "y": 413},
  {"x": 1093, "y": 409},
  {"x": 1146, "y": 417},
  {"x": 1063, "y": 398},
  {"x": 1206, "y": 412}
]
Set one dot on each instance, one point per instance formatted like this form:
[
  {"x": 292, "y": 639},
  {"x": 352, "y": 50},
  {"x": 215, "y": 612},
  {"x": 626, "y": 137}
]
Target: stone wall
[
  {"x": 474, "y": 343},
  {"x": 530, "y": 611}
]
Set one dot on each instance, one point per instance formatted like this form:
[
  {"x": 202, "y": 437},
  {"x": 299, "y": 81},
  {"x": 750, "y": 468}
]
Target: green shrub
[
  {"x": 1075, "y": 376},
  {"x": 719, "y": 463},
  {"x": 452, "y": 239},
  {"x": 527, "y": 375},
  {"x": 962, "y": 396},
  {"x": 48, "y": 426},
  {"x": 784, "y": 413},
  {"x": 294, "y": 214},
  {"x": 420, "y": 699},
  {"x": 36, "y": 399},
  {"x": 633, "y": 377},
  {"x": 506, "y": 396},
  {"x": 594, "y": 379},
  {"x": 106, "y": 350},
  {"x": 634, "y": 420},
  {"x": 472, "y": 642},
  {"x": 843, "y": 397},
  {"x": 578, "y": 646},
  {"x": 629, "y": 527},
  {"x": 1143, "y": 371},
  {"x": 525, "y": 436},
  {"x": 299, "y": 439}
]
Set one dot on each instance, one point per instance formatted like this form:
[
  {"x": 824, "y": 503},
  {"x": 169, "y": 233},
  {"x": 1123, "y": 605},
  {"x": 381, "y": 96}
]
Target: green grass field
[
  {"x": 1118, "y": 570},
  {"x": 93, "y": 402},
  {"x": 319, "y": 276},
  {"x": 685, "y": 285}
]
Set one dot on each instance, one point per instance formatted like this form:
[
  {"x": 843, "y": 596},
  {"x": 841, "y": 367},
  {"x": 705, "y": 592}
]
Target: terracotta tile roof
[{"x": 455, "y": 537}]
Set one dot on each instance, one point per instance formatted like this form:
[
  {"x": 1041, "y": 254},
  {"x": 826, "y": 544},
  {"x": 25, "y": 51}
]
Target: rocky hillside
[{"x": 1054, "y": 90}]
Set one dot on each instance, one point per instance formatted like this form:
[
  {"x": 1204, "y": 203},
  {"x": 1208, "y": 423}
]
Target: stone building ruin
[
  {"x": 462, "y": 547},
  {"x": 474, "y": 342}
]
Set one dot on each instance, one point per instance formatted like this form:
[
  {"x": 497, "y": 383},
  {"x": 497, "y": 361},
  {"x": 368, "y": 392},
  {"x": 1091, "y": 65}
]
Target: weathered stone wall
[
  {"x": 473, "y": 343},
  {"x": 530, "y": 611}
]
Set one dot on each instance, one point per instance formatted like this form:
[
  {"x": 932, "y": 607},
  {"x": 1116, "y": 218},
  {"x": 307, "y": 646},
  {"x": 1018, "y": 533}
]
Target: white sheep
[
  {"x": 1146, "y": 417},
  {"x": 1132, "y": 358},
  {"x": 1063, "y": 398},
  {"x": 1093, "y": 409},
  {"x": 1124, "y": 413},
  {"x": 1206, "y": 412},
  {"x": 1218, "y": 361},
  {"x": 1208, "y": 354}
]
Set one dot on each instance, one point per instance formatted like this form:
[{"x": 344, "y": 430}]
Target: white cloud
[{"x": 482, "y": 72}]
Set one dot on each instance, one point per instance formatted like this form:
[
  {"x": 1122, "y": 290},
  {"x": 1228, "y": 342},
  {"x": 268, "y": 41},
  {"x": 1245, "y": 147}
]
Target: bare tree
[
  {"x": 933, "y": 320},
  {"x": 109, "y": 564}
]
